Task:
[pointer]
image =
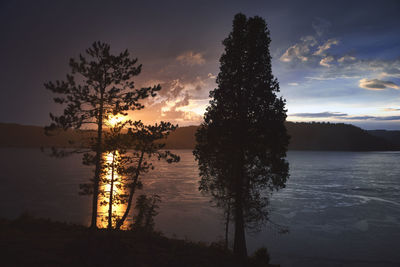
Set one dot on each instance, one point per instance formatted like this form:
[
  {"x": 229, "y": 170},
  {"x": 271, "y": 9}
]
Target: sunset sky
[{"x": 336, "y": 61}]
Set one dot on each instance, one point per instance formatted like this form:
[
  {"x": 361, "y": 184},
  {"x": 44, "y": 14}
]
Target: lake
[{"x": 342, "y": 208}]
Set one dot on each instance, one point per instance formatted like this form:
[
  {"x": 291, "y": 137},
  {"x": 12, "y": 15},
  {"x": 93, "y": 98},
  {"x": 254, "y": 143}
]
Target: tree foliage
[
  {"x": 242, "y": 143},
  {"x": 99, "y": 85}
]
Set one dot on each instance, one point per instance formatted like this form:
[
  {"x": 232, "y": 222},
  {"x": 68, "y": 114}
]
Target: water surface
[{"x": 342, "y": 208}]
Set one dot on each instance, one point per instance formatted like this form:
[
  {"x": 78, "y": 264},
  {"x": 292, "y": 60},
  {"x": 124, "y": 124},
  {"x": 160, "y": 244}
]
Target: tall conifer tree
[{"x": 242, "y": 143}]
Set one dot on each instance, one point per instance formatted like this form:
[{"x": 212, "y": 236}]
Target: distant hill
[
  {"x": 335, "y": 136},
  {"x": 182, "y": 138},
  {"x": 391, "y": 136},
  {"x": 304, "y": 136},
  {"x": 15, "y": 135}
]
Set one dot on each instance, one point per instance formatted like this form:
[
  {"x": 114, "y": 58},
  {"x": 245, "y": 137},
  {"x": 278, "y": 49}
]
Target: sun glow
[{"x": 112, "y": 120}]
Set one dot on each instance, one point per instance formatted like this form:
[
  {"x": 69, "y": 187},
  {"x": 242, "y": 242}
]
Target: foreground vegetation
[{"x": 28, "y": 241}]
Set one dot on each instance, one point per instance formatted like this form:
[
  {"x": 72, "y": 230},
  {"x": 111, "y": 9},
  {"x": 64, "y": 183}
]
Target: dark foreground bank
[{"x": 28, "y": 241}]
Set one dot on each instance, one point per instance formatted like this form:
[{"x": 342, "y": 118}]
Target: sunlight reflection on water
[{"x": 103, "y": 203}]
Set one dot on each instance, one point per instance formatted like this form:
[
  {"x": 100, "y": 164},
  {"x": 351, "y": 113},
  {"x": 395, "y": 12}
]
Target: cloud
[
  {"x": 307, "y": 51},
  {"x": 330, "y": 78},
  {"x": 385, "y": 68},
  {"x": 359, "y": 118},
  {"x": 353, "y": 68},
  {"x": 388, "y": 118},
  {"x": 293, "y": 84},
  {"x": 317, "y": 78},
  {"x": 197, "y": 87},
  {"x": 325, "y": 114},
  {"x": 376, "y": 84},
  {"x": 211, "y": 76},
  {"x": 325, "y": 61},
  {"x": 182, "y": 117},
  {"x": 310, "y": 49},
  {"x": 176, "y": 112},
  {"x": 299, "y": 51},
  {"x": 313, "y": 52},
  {"x": 327, "y": 45},
  {"x": 391, "y": 109},
  {"x": 375, "y": 118},
  {"x": 171, "y": 89},
  {"x": 346, "y": 58},
  {"x": 391, "y": 72},
  {"x": 181, "y": 101},
  {"x": 343, "y": 116},
  {"x": 191, "y": 59}
]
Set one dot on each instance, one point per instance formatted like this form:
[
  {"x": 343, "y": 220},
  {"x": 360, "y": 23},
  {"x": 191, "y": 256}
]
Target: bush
[{"x": 261, "y": 257}]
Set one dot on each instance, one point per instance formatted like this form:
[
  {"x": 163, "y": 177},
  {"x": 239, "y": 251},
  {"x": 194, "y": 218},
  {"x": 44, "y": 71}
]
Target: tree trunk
[
  {"x": 96, "y": 179},
  {"x": 110, "y": 202},
  {"x": 239, "y": 243},
  {"x": 121, "y": 221},
  {"x": 228, "y": 215}
]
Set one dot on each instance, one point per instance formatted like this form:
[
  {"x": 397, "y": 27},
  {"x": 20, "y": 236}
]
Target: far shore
[{"x": 304, "y": 136}]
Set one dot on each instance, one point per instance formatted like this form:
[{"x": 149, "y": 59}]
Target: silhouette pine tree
[{"x": 100, "y": 85}]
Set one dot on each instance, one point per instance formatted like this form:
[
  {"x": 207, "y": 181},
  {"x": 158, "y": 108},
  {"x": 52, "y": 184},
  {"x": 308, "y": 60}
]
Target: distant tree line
[{"x": 303, "y": 136}]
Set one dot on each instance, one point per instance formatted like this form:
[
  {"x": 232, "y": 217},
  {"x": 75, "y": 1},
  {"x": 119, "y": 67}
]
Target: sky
[{"x": 336, "y": 61}]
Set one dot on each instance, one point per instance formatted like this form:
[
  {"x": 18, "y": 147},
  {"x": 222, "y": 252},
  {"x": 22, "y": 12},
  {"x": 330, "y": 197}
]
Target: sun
[{"x": 112, "y": 120}]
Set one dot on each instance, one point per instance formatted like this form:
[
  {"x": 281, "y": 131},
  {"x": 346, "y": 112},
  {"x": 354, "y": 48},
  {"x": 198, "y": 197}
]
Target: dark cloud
[
  {"x": 326, "y": 114},
  {"x": 172, "y": 89},
  {"x": 337, "y": 116},
  {"x": 392, "y": 71},
  {"x": 183, "y": 102},
  {"x": 358, "y": 118},
  {"x": 388, "y": 118},
  {"x": 373, "y": 118}
]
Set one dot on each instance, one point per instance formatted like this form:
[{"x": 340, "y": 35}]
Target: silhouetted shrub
[{"x": 261, "y": 257}]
